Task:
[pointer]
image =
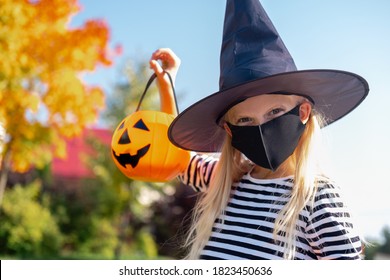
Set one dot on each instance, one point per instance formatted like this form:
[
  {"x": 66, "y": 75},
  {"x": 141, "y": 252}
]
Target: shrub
[{"x": 27, "y": 227}]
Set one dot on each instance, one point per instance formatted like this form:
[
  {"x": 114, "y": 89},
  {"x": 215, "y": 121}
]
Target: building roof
[{"x": 74, "y": 165}]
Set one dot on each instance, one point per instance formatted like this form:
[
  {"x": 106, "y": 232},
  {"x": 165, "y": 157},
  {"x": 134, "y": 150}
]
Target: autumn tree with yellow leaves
[{"x": 42, "y": 97}]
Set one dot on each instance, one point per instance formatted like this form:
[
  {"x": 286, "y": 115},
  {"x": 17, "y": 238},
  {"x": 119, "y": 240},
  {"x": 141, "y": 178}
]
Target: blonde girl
[{"x": 267, "y": 195}]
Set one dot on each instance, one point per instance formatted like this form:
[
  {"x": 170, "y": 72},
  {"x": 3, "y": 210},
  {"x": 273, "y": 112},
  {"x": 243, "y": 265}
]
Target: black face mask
[{"x": 270, "y": 144}]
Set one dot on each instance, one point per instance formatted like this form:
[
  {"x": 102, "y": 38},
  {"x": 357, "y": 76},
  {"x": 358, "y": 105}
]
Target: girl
[{"x": 267, "y": 196}]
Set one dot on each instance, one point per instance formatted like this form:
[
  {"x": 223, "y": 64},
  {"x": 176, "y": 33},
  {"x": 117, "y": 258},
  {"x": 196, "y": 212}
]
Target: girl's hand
[{"x": 170, "y": 63}]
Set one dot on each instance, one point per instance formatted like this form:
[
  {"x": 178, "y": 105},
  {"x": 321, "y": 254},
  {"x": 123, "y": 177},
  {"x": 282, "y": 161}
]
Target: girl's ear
[
  {"x": 227, "y": 129},
  {"x": 305, "y": 111}
]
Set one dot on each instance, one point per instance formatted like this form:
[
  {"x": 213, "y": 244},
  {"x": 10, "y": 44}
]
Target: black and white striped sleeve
[
  {"x": 199, "y": 171},
  {"x": 330, "y": 230}
]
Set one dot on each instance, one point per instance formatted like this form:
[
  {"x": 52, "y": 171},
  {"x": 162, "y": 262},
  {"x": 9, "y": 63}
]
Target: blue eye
[
  {"x": 244, "y": 120},
  {"x": 275, "y": 111}
]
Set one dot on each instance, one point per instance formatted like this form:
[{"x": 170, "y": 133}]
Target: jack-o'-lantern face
[
  {"x": 128, "y": 158},
  {"x": 141, "y": 148}
]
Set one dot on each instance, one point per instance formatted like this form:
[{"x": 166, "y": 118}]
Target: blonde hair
[
  {"x": 213, "y": 203},
  {"x": 308, "y": 171}
]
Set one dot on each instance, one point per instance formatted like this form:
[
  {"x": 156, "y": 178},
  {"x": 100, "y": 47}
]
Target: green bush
[
  {"x": 27, "y": 228},
  {"x": 103, "y": 240}
]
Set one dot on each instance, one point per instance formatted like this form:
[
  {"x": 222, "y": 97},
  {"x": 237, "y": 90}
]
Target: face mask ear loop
[{"x": 150, "y": 81}]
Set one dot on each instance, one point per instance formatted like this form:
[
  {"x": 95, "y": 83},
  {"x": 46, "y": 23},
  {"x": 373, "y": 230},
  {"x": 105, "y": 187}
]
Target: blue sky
[{"x": 351, "y": 35}]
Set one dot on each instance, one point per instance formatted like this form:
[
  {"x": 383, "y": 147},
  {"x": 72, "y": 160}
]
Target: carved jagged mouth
[{"x": 124, "y": 159}]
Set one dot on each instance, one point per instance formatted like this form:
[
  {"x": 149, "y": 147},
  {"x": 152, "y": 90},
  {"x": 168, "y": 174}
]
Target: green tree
[
  {"x": 385, "y": 246},
  {"x": 27, "y": 228},
  {"x": 374, "y": 246},
  {"x": 85, "y": 220}
]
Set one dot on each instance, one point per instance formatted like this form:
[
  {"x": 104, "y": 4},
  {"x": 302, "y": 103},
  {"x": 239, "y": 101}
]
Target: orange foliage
[{"x": 42, "y": 98}]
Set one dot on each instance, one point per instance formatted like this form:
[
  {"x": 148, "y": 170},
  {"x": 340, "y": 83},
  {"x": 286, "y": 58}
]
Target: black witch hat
[{"x": 255, "y": 61}]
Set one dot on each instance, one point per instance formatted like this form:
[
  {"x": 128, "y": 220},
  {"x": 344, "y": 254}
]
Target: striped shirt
[{"x": 325, "y": 228}]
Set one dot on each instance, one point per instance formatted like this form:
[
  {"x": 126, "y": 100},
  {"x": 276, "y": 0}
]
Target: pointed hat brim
[{"x": 334, "y": 94}]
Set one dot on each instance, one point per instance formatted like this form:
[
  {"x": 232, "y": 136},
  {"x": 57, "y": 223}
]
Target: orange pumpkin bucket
[{"x": 141, "y": 148}]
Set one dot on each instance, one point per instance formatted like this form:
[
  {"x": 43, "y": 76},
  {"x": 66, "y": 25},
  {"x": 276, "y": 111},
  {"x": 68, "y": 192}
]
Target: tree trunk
[{"x": 5, "y": 166}]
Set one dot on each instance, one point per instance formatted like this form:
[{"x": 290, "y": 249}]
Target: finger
[{"x": 156, "y": 67}]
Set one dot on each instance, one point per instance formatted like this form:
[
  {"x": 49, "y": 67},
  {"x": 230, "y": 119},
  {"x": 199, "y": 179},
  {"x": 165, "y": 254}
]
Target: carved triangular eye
[
  {"x": 141, "y": 125},
  {"x": 125, "y": 139}
]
